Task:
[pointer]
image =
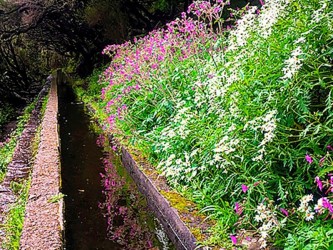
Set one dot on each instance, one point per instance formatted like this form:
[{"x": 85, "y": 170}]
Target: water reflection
[{"x": 130, "y": 223}]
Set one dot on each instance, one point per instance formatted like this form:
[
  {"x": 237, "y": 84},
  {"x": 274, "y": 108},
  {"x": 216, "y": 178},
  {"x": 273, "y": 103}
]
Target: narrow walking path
[{"x": 43, "y": 220}]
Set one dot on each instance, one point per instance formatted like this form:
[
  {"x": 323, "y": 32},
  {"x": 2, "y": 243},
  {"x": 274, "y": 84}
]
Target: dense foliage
[
  {"x": 37, "y": 36},
  {"x": 239, "y": 118}
]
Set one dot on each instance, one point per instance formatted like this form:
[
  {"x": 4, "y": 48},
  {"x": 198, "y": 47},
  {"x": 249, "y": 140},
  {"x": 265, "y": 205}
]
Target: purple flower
[
  {"x": 328, "y": 205},
  {"x": 329, "y": 147},
  {"x": 261, "y": 2},
  {"x": 284, "y": 211},
  {"x": 308, "y": 158},
  {"x": 319, "y": 183},
  {"x": 233, "y": 239},
  {"x": 238, "y": 208},
  {"x": 244, "y": 188}
]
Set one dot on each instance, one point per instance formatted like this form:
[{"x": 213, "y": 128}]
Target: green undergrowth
[
  {"x": 6, "y": 114},
  {"x": 15, "y": 218}
]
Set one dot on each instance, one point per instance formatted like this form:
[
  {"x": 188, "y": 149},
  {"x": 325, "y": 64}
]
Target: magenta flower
[
  {"x": 261, "y": 2},
  {"x": 244, "y": 188},
  {"x": 284, "y": 211},
  {"x": 328, "y": 205},
  {"x": 238, "y": 208},
  {"x": 233, "y": 239},
  {"x": 319, "y": 183},
  {"x": 308, "y": 158},
  {"x": 329, "y": 147}
]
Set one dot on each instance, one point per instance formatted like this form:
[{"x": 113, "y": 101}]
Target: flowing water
[{"x": 103, "y": 208}]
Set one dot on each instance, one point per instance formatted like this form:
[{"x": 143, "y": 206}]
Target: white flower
[
  {"x": 309, "y": 215},
  {"x": 257, "y": 218},
  {"x": 318, "y": 14},
  {"x": 293, "y": 64},
  {"x": 264, "y": 234},
  {"x": 179, "y": 161},
  {"x": 300, "y": 40},
  {"x": 270, "y": 14}
]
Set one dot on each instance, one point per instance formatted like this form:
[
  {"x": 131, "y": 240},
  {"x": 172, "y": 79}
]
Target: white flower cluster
[
  {"x": 245, "y": 25},
  {"x": 267, "y": 125},
  {"x": 318, "y": 15},
  {"x": 180, "y": 166},
  {"x": 271, "y": 11},
  {"x": 226, "y": 146},
  {"x": 293, "y": 64},
  {"x": 267, "y": 216},
  {"x": 169, "y": 167},
  {"x": 179, "y": 126},
  {"x": 305, "y": 208}
]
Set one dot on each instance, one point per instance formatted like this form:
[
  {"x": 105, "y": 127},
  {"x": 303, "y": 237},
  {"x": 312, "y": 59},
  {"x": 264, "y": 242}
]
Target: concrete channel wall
[
  {"x": 175, "y": 228},
  {"x": 43, "y": 223}
]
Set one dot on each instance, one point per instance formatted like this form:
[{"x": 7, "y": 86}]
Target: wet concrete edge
[{"x": 175, "y": 228}]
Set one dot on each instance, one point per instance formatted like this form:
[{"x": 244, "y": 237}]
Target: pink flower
[
  {"x": 319, "y": 183},
  {"x": 328, "y": 205},
  {"x": 284, "y": 211},
  {"x": 308, "y": 158},
  {"x": 244, "y": 188},
  {"x": 329, "y": 147},
  {"x": 261, "y": 2},
  {"x": 238, "y": 208},
  {"x": 233, "y": 239}
]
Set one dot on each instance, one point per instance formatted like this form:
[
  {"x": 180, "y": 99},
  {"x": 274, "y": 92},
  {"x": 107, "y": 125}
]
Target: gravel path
[{"x": 43, "y": 224}]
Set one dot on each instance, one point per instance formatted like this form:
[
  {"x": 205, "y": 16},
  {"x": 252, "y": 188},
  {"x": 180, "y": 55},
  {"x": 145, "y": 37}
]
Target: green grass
[{"x": 15, "y": 218}]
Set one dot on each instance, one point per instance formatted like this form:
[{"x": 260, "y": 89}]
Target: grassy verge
[{"x": 14, "y": 223}]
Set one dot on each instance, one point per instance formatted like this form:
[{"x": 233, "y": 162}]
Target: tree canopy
[{"x": 35, "y": 35}]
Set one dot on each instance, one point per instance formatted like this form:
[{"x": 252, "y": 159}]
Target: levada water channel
[{"x": 103, "y": 208}]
